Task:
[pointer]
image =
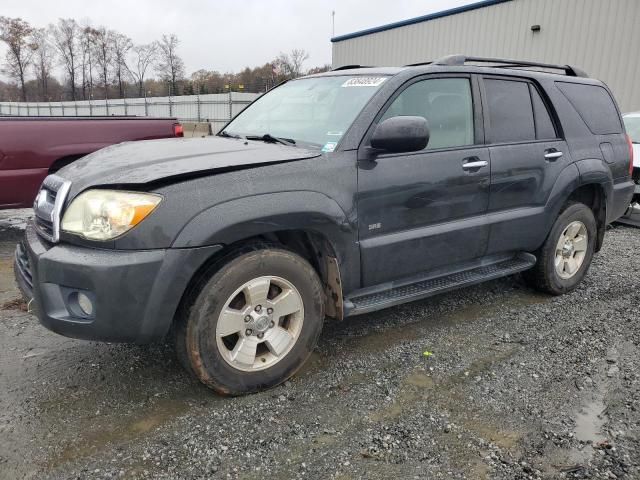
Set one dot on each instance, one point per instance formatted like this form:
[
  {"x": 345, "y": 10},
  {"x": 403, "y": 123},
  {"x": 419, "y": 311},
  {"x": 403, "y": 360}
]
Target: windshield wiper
[
  {"x": 231, "y": 135},
  {"x": 267, "y": 137}
]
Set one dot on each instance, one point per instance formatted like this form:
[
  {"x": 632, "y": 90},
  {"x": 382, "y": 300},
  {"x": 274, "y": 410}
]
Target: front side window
[
  {"x": 445, "y": 103},
  {"x": 313, "y": 111}
]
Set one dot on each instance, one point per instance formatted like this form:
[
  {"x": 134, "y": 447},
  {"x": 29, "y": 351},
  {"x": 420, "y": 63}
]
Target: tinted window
[
  {"x": 446, "y": 104},
  {"x": 544, "y": 126},
  {"x": 595, "y": 106},
  {"x": 510, "y": 111}
]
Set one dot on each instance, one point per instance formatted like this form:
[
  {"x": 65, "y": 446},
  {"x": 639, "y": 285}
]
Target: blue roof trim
[{"x": 423, "y": 18}]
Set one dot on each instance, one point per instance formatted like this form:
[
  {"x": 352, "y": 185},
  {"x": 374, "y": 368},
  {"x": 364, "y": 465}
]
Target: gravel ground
[{"x": 518, "y": 385}]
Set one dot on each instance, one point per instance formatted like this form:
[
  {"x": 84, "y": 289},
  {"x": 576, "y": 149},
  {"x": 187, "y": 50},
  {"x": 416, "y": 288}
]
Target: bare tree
[
  {"x": 103, "y": 48},
  {"x": 290, "y": 65},
  {"x": 87, "y": 59},
  {"x": 142, "y": 57},
  {"x": 170, "y": 66},
  {"x": 324, "y": 68},
  {"x": 298, "y": 57},
  {"x": 65, "y": 38},
  {"x": 43, "y": 61},
  {"x": 16, "y": 33},
  {"x": 121, "y": 44}
]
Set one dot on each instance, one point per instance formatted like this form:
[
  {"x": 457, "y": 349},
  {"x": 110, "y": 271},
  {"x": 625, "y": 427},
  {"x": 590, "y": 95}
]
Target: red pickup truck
[{"x": 33, "y": 147}]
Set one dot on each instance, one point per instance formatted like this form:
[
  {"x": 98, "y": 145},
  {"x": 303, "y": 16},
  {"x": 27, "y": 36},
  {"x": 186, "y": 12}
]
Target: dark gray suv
[{"x": 332, "y": 195}]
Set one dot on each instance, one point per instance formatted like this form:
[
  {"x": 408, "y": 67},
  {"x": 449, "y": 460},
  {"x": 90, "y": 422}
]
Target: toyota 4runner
[{"x": 330, "y": 196}]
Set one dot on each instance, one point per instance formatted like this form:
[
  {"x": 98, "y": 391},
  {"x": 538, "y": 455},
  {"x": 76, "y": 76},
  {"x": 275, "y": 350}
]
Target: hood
[{"x": 147, "y": 161}]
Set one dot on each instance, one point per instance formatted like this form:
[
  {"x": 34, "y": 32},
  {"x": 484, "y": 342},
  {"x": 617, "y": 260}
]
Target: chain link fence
[{"x": 215, "y": 108}]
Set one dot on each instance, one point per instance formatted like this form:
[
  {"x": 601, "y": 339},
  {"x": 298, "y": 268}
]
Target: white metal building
[{"x": 601, "y": 37}]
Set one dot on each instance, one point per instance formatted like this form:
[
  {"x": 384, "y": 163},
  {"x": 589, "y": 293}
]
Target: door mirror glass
[{"x": 401, "y": 134}]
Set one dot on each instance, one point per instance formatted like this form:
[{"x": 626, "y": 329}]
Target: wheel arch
[
  {"x": 594, "y": 196},
  {"x": 588, "y": 182},
  {"x": 312, "y": 246},
  {"x": 307, "y": 223}
]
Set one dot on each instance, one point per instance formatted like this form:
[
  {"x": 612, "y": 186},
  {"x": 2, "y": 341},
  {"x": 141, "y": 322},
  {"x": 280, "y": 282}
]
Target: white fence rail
[{"x": 216, "y": 108}]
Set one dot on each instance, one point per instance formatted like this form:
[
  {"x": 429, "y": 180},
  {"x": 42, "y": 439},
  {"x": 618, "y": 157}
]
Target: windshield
[
  {"x": 315, "y": 111},
  {"x": 632, "y": 124}
]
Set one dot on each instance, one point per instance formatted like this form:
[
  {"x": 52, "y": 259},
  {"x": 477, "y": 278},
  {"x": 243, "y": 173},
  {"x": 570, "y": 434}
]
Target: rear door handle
[
  {"x": 552, "y": 154},
  {"x": 474, "y": 165}
]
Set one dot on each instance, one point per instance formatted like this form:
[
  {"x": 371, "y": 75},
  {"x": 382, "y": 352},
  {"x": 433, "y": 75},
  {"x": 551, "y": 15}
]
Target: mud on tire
[{"x": 236, "y": 306}]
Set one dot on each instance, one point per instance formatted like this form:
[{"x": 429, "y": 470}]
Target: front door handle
[
  {"x": 474, "y": 165},
  {"x": 552, "y": 154}
]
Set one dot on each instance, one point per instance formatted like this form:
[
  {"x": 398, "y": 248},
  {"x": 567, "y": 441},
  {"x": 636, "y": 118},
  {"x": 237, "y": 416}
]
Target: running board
[{"x": 376, "y": 298}]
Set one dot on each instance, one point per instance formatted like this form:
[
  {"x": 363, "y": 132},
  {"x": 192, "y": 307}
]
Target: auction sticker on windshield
[{"x": 364, "y": 82}]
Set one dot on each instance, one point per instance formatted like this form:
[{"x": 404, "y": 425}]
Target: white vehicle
[{"x": 632, "y": 124}]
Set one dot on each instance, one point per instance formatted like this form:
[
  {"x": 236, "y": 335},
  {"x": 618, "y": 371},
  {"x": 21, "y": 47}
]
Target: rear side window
[
  {"x": 594, "y": 104},
  {"x": 544, "y": 125},
  {"x": 510, "y": 111},
  {"x": 447, "y": 105}
]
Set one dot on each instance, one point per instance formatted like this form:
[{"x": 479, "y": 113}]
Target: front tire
[
  {"x": 253, "y": 321},
  {"x": 565, "y": 257}
]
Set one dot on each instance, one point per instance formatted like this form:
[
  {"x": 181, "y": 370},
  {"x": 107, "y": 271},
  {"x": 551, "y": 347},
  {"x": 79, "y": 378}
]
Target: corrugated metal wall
[{"x": 600, "y": 36}]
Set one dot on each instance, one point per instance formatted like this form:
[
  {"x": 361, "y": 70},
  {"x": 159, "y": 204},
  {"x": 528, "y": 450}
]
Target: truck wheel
[
  {"x": 566, "y": 255},
  {"x": 253, "y": 322}
]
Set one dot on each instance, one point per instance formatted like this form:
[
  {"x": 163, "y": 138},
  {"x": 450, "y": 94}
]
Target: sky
[{"x": 228, "y": 35}]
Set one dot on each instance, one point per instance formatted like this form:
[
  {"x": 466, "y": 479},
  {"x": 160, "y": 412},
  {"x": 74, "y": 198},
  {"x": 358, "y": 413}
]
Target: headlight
[{"x": 107, "y": 214}]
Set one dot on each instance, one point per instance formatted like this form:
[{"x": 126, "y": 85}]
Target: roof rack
[
  {"x": 460, "y": 60},
  {"x": 418, "y": 64},
  {"x": 349, "y": 67}
]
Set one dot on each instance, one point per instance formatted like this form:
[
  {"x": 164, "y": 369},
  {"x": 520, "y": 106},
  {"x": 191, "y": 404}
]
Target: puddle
[
  {"x": 420, "y": 380},
  {"x": 590, "y": 420},
  {"x": 314, "y": 363},
  {"x": 14, "y": 220},
  {"x": 103, "y": 436}
]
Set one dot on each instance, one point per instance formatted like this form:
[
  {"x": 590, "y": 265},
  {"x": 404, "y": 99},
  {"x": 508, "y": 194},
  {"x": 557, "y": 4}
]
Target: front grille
[
  {"x": 24, "y": 268},
  {"x": 44, "y": 226},
  {"x": 48, "y": 207}
]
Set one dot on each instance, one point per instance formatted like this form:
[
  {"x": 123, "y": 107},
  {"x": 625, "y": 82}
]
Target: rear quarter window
[{"x": 594, "y": 105}]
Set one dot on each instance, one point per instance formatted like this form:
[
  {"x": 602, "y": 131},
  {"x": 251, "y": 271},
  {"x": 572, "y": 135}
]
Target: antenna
[{"x": 333, "y": 23}]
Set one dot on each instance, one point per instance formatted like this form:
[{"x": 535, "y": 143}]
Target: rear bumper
[
  {"x": 134, "y": 294},
  {"x": 621, "y": 197}
]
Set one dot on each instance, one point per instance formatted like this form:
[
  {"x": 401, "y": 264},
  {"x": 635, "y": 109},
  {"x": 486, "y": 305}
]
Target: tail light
[
  {"x": 630, "y": 155},
  {"x": 178, "y": 131}
]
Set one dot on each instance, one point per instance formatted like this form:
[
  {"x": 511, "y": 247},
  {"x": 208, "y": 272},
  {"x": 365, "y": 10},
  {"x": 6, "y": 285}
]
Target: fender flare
[
  {"x": 574, "y": 176},
  {"x": 246, "y": 217}
]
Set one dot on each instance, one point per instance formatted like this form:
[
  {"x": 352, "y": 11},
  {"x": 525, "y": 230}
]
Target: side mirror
[{"x": 401, "y": 134}]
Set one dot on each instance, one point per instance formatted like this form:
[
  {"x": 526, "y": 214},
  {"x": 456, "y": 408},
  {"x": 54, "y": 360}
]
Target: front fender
[{"x": 247, "y": 217}]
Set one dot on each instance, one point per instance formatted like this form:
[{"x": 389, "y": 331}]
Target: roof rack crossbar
[{"x": 460, "y": 60}]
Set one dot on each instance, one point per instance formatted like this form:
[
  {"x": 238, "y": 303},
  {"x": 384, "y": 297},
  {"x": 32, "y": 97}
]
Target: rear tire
[
  {"x": 252, "y": 321},
  {"x": 565, "y": 257}
]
